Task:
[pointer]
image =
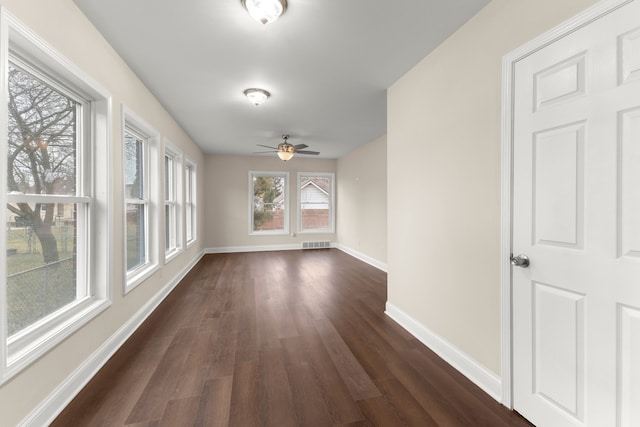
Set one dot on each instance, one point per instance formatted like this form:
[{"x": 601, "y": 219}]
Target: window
[
  {"x": 56, "y": 252},
  {"x": 190, "y": 201},
  {"x": 269, "y": 203},
  {"x": 140, "y": 148},
  {"x": 172, "y": 201},
  {"x": 316, "y": 202}
]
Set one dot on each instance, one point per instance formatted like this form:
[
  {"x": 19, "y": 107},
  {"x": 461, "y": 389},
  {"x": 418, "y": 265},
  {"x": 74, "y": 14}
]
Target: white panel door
[{"x": 576, "y": 215}]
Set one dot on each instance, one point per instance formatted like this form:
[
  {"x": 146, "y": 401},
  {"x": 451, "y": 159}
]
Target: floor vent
[{"x": 316, "y": 245}]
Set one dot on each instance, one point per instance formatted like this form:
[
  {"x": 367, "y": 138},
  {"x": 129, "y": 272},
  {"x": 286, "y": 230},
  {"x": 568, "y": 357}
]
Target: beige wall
[
  {"x": 63, "y": 26},
  {"x": 362, "y": 200},
  {"x": 227, "y": 199},
  {"x": 444, "y": 176}
]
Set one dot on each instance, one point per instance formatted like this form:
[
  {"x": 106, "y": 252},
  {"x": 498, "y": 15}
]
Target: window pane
[
  {"x": 189, "y": 219},
  {"x": 268, "y": 203},
  {"x": 41, "y": 137},
  {"x": 169, "y": 220},
  {"x": 315, "y": 197},
  {"x": 168, "y": 178},
  {"x": 136, "y": 236},
  {"x": 189, "y": 202},
  {"x": 134, "y": 167},
  {"x": 41, "y": 261}
]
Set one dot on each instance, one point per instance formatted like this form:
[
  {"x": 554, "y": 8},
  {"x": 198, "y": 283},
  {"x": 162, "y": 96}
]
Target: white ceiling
[{"x": 327, "y": 64}]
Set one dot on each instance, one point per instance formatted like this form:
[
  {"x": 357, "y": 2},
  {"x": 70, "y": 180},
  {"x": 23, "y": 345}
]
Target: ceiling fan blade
[
  {"x": 264, "y": 152},
  {"x": 266, "y": 146},
  {"x": 300, "y": 146},
  {"x": 315, "y": 153}
]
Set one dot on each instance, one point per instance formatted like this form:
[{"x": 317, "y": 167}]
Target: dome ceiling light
[
  {"x": 257, "y": 95},
  {"x": 265, "y": 11}
]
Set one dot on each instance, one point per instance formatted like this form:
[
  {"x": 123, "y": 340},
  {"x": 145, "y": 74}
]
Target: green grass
[
  {"x": 34, "y": 294},
  {"x": 23, "y": 260},
  {"x": 35, "y": 290}
]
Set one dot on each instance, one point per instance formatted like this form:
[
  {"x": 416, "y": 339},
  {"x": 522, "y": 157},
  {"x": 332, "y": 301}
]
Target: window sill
[
  {"x": 27, "y": 346},
  {"x": 270, "y": 233},
  {"x": 172, "y": 255},
  {"x": 139, "y": 276},
  {"x": 317, "y": 231}
]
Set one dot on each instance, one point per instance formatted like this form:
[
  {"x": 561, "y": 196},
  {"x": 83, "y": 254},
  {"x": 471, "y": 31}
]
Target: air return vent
[{"x": 316, "y": 245}]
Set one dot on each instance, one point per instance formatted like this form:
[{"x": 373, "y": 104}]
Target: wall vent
[{"x": 316, "y": 245}]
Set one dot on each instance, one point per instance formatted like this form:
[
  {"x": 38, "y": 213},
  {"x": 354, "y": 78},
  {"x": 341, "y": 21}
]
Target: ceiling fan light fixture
[
  {"x": 265, "y": 11},
  {"x": 257, "y": 96},
  {"x": 286, "y": 151},
  {"x": 285, "y": 155}
]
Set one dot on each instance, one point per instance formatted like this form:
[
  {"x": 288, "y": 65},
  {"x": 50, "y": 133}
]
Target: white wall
[
  {"x": 444, "y": 177},
  {"x": 362, "y": 201},
  {"x": 227, "y": 200},
  {"x": 63, "y": 26}
]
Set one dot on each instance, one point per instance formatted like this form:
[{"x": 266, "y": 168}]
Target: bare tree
[
  {"x": 265, "y": 190},
  {"x": 41, "y": 151}
]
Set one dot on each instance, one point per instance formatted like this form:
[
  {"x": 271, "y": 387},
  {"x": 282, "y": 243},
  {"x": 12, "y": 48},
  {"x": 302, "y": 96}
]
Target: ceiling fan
[{"x": 286, "y": 151}]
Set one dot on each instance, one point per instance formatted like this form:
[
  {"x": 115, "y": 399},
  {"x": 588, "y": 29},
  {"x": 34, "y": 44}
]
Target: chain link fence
[{"x": 38, "y": 292}]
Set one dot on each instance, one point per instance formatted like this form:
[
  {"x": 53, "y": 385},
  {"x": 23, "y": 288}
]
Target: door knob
[{"x": 520, "y": 261}]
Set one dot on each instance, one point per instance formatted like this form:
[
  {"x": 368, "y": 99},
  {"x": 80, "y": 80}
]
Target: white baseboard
[
  {"x": 262, "y": 248},
  {"x": 297, "y": 246},
  {"x": 469, "y": 367},
  {"x": 362, "y": 257},
  {"x": 51, "y": 407}
]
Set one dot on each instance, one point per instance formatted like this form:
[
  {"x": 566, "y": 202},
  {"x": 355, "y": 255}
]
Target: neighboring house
[{"x": 314, "y": 194}]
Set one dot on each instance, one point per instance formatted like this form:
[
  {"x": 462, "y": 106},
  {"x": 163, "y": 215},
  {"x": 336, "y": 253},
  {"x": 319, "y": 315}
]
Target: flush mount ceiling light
[
  {"x": 265, "y": 11},
  {"x": 256, "y": 95}
]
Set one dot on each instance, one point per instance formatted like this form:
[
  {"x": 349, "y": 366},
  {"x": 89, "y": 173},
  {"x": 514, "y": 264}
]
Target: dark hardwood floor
[{"x": 295, "y": 338}]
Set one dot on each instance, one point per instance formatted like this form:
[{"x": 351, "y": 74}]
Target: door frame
[{"x": 509, "y": 62}]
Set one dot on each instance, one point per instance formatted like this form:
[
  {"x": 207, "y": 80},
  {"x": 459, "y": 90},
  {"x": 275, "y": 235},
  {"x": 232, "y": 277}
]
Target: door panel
[
  {"x": 576, "y": 214},
  {"x": 558, "y": 186},
  {"x": 559, "y": 351},
  {"x": 560, "y": 82},
  {"x": 629, "y": 55},
  {"x": 629, "y": 368},
  {"x": 629, "y": 183}
]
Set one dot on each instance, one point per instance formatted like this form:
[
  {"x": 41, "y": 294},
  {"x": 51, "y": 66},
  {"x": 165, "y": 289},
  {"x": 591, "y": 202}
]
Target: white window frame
[
  {"x": 24, "y": 347},
  {"x": 190, "y": 202},
  {"x": 332, "y": 202},
  {"x": 150, "y": 137},
  {"x": 285, "y": 231},
  {"x": 174, "y": 201}
]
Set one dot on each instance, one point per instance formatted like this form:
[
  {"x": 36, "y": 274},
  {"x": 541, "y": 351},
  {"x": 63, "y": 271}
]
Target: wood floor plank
[
  {"x": 192, "y": 378},
  {"x": 441, "y": 409},
  {"x": 337, "y": 395},
  {"x": 245, "y": 407},
  {"x": 279, "y": 338},
  {"x": 215, "y": 401},
  {"x": 108, "y": 399},
  {"x": 274, "y": 322},
  {"x": 151, "y": 404},
  {"x": 180, "y": 412},
  {"x": 222, "y": 357},
  {"x": 276, "y": 398},
  {"x": 247, "y": 336},
  {"x": 354, "y": 376},
  {"x": 310, "y": 402},
  {"x": 406, "y": 408},
  {"x": 464, "y": 396}
]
